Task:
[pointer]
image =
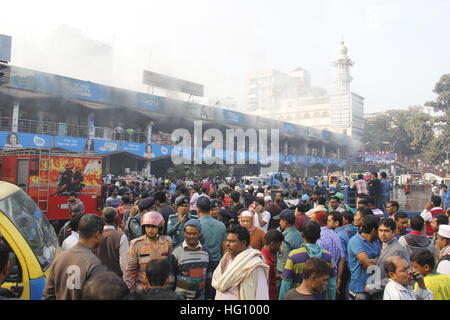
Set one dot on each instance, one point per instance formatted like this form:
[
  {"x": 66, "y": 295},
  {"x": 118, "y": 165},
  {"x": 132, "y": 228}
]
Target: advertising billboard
[
  {"x": 171, "y": 83},
  {"x": 19, "y": 140}
]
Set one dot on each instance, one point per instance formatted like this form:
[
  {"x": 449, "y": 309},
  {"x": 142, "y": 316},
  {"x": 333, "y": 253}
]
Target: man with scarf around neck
[
  {"x": 242, "y": 273},
  {"x": 293, "y": 271}
]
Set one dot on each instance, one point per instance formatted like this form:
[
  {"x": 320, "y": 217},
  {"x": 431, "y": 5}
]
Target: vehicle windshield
[{"x": 33, "y": 225}]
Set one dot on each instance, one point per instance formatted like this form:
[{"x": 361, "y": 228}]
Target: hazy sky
[{"x": 400, "y": 47}]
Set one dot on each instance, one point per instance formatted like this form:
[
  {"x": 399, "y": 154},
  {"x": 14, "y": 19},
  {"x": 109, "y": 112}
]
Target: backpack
[{"x": 133, "y": 227}]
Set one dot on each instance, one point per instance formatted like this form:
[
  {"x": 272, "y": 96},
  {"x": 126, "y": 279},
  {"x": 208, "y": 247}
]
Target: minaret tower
[{"x": 342, "y": 65}]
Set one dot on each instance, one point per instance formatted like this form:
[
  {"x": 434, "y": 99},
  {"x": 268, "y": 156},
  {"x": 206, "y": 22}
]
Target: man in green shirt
[
  {"x": 292, "y": 237},
  {"x": 438, "y": 283}
]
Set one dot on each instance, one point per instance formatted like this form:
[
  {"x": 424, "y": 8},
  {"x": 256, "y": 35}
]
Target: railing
[{"x": 71, "y": 130}]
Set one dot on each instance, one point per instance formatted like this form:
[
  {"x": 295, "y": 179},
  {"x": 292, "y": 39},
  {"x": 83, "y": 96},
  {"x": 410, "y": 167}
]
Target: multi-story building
[
  {"x": 291, "y": 98},
  {"x": 267, "y": 89}
]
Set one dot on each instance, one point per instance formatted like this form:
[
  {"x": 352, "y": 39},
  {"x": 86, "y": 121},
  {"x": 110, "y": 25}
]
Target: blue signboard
[
  {"x": 5, "y": 48},
  {"x": 161, "y": 151},
  {"x": 289, "y": 128},
  {"x": 232, "y": 117},
  {"x": 182, "y": 152},
  {"x": 74, "y": 144},
  {"x": 83, "y": 90},
  {"x": 138, "y": 149},
  {"x": 106, "y": 146},
  {"x": 149, "y": 102},
  {"x": 325, "y": 134},
  {"x": 13, "y": 140}
]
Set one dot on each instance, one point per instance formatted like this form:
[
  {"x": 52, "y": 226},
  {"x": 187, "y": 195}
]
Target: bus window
[{"x": 30, "y": 221}]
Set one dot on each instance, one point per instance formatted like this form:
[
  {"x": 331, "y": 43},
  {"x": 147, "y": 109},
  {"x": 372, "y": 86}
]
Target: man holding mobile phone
[{"x": 401, "y": 277}]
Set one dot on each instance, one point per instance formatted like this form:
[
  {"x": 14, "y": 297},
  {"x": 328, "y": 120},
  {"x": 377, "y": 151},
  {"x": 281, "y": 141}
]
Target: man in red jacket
[{"x": 272, "y": 243}]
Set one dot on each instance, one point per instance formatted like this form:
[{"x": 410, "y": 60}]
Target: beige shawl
[{"x": 238, "y": 273}]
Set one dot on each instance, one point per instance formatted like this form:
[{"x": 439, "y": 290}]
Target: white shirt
[
  {"x": 265, "y": 216},
  {"x": 123, "y": 248},
  {"x": 70, "y": 241},
  {"x": 395, "y": 291},
  {"x": 193, "y": 202}
]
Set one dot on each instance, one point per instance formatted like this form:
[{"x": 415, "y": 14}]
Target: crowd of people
[{"x": 211, "y": 239}]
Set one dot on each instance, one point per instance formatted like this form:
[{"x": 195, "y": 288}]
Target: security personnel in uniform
[
  {"x": 175, "y": 226},
  {"x": 152, "y": 245}
]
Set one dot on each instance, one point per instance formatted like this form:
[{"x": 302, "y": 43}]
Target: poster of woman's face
[
  {"x": 89, "y": 146},
  {"x": 12, "y": 141},
  {"x": 148, "y": 152}
]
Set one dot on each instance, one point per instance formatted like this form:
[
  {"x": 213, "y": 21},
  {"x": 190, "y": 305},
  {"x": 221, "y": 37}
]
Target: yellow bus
[{"x": 32, "y": 241}]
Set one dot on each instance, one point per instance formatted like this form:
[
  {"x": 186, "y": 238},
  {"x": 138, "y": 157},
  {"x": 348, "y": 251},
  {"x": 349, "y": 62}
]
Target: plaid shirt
[
  {"x": 330, "y": 241},
  {"x": 142, "y": 250},
  {"x": 361, "y": 186}
]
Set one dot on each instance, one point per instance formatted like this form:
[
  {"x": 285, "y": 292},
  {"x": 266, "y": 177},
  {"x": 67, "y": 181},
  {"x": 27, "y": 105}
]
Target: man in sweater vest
[{"x": 113, "y": 247}]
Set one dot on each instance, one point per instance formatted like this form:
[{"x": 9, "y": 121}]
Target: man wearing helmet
[{"x": 152, "y": 245}]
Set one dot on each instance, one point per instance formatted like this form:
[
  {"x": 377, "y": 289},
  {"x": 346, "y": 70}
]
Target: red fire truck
[{"x": 49, "y": 177}]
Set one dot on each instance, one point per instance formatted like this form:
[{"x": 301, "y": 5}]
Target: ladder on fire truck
[{"x": 43, "y": 190}]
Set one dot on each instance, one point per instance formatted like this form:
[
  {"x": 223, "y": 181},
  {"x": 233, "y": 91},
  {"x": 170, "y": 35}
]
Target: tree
[
  {"x": 419, "y": 127},
  {"x": 442, "y": 89},
  {"x": 435, "y": 152}
]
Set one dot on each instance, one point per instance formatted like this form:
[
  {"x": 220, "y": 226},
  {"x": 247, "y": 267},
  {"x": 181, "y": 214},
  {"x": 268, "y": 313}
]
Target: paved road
[{"x": 414, "y": 202}]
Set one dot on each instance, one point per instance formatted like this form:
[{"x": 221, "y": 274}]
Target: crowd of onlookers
[{"x": 230, "y": 240}]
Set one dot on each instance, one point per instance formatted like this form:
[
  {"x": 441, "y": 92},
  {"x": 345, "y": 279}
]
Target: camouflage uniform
[{"x": 142, "y": 250}]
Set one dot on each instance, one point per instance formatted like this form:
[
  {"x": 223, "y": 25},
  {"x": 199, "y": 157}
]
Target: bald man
[{"x": 401, "y": 277}]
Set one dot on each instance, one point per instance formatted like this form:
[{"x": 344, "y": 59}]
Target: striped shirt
[
  {"x": 293, "y": 269},
  {"x": 190, "y": 269},
  {"x": 395, "y": 291},
  {"x": 330, "y": 241}
]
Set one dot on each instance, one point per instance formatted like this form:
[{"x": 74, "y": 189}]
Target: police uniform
[
  {"x": 142, "y": 250},
  {"x": 177, "y": 231}
]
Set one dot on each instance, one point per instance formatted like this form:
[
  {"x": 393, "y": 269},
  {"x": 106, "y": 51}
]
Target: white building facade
[{"x": 291, "y": 98}]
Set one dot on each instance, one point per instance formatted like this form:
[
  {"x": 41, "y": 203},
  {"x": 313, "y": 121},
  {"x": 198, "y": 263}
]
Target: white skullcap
[
  {"x": 444, "y": 231},
  {"x": 246, "y": 213}
]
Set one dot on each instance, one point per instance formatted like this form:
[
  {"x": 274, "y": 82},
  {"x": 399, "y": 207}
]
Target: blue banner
[
  {"x": 18, "y": 140},
  {"x": 161, "y": 151},
  {"x": 232, "y": 117},
  {"x": 138, "y": 149},
  {"x": 149, "y": 102},
  {"x": 106, "y": 146},
  {"x": 289, "y": 128},
  {"x": 74, "y": 144},
  {"x": 5, "y": 48}
]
